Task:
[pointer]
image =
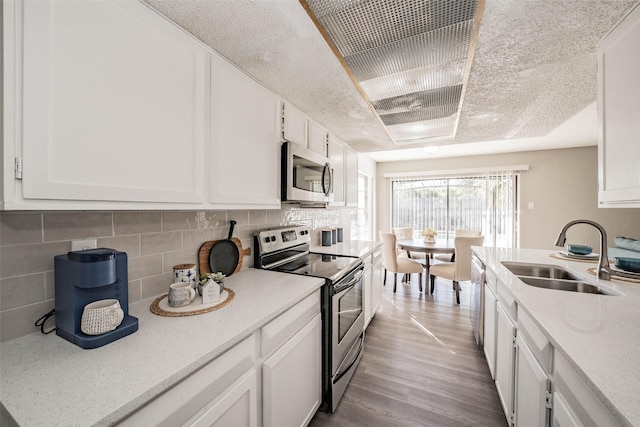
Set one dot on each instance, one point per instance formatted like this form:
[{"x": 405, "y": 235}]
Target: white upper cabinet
[
  {"x": 336, "y": 158},
  {"x": 351, "y": 177},
  {"x": 244, "y": 161},
  {"x": 317, "y": 138},
  {"x": 294, "y": 125},
  {"x": 619, "y": 115},
  {"x": 301, "y": 130},
  {"x": 113, "y": 104},
  {"x": 344, "y": 162}
]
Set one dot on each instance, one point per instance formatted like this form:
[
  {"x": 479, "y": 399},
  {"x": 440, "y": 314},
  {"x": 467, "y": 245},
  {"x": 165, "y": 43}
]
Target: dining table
[{"x": 441, "y": 246}]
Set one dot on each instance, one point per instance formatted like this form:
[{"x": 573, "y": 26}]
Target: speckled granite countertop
[
  {"x": 353, "y": 248},
  {"x": 46, "y": 380},
  {"x": 597, "y": 334}
]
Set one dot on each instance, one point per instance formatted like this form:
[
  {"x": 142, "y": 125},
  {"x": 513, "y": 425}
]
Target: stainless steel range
[{"x": 286, "y": 249}]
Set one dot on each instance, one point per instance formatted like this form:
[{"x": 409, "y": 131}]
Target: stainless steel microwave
[{"x": 307, "y": 177}]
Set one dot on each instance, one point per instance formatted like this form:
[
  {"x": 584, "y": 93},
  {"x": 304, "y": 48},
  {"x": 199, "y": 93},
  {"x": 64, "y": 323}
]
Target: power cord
[{"x": 41, "y": 321}]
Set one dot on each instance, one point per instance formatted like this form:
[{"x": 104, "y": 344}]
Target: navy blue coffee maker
[{"x": 82, "y": 277}]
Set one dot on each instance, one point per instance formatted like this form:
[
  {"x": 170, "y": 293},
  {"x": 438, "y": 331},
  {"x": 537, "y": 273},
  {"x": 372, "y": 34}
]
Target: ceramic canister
[
  {"x": 185, "y": 273},
  {"x": 326, "y": 237}
]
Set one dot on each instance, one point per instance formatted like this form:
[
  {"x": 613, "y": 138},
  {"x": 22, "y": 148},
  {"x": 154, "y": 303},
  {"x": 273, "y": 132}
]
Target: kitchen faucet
[{"x": 603, "y": 271}]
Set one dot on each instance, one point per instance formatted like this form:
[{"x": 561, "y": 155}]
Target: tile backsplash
[{"x": 154, "y": 241}]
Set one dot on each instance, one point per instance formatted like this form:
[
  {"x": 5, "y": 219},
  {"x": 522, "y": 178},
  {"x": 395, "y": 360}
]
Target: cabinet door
[
  {"x": 562, "y": 415},
  {"x": 618, "y": 106},
  {"x": 351, "y": 177},
  {"x": 294, "y": 125},
  {"x": 317, "y": 138},
  {"x": 244, "y": 163},
  {"x": 505, "y": 355},
  {"x": 114, "y": 104},
  {"x": 292, "y": 379},
  {"x": 336, "y": 157},
  {"x": 376, "y": 283},
  {"x": 237, "y": 407},
  {"x": 532, "y": 389},
  {"x": 366, "y": 292},
  {"x": 490, "y": 301}
]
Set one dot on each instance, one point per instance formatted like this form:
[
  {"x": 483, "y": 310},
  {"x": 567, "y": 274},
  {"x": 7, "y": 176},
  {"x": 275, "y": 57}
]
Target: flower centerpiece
[
  {"x": 211, "y": 286},
  {"x": 429, "y": 235}
]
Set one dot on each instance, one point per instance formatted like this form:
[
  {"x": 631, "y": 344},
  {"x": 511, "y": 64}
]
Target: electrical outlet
[
  {"x": 80, "y": 245},
  {"x": 532, "y": 205}
]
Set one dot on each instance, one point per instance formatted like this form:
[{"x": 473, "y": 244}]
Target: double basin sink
[{"x": 553, "y": 277}]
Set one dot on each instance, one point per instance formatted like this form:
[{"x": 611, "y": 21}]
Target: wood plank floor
[{"x": 421, "y": 366}]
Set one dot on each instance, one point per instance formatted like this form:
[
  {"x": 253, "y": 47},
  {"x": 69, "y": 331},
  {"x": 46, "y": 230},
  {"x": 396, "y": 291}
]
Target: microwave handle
[{"x": 327, "y": 189}]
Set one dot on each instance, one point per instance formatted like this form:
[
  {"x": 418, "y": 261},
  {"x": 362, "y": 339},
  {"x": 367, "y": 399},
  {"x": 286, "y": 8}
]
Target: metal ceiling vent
[{"x": 409, "y": 58}]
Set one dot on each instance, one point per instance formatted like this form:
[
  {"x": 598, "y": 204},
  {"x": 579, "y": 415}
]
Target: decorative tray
[{"x": 161, "y": 307}]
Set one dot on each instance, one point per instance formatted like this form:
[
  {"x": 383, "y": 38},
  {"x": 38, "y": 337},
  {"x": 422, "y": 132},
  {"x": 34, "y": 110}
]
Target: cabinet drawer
[
  {"x": 279, "y": 330},
  {"x": 536, "y": 340},
  {"x": 492, "y": 280},
  {"x": 508, "y": 301},
  {"x": 180, "y": 402}
]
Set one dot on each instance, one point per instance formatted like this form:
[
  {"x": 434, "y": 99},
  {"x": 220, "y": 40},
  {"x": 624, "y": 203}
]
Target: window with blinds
[{"x": 485, "y": 202}]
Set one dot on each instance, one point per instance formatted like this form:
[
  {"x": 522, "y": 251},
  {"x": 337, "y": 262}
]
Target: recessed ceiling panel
[
  {"x": 409, "y": 133},
  {"x": 410, "y": 59},
  {"x": 442, "y": 75}
]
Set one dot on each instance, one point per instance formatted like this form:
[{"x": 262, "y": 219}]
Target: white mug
[
  {"x": 181, "y": 294},
  {"x": 101, "y": 316}
]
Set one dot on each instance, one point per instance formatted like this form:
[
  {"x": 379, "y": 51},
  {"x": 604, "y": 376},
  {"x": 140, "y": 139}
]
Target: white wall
[{"x": 562, "y": 184}]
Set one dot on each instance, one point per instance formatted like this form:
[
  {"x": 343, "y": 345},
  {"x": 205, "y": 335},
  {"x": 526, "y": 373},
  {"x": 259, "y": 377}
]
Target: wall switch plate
[
  {"x": 532, "y": 205},
  {"x": 80, "y": 245}
]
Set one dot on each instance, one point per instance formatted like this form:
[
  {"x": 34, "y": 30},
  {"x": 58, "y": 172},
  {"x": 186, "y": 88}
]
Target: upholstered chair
[
  {"x": 397, "y": 264},
  {"x": 460, "y": 269}
]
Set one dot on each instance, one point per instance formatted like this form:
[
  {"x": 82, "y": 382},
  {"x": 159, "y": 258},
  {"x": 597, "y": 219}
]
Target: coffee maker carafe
[{"x": 82, "y": 277}]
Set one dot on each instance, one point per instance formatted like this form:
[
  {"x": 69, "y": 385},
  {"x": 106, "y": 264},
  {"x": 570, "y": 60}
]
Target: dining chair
[
  {"x": 460, "y": 269},
  {"x": 403, "y": 233},
  {"x": 397, "y": 264},
  {"x": 457, "y": 233}
]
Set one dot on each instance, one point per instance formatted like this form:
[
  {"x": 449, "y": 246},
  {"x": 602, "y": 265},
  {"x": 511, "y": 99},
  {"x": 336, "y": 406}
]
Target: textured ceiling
[{"x": 534, "y": 66}]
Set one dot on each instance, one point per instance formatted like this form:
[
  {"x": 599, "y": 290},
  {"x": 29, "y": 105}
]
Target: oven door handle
[
  {"x": 339, "y": 288},
  {"x": 341, "y": 372}
]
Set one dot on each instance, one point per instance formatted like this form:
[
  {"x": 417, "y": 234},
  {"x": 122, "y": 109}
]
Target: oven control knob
[
  {"x": 273, "y": 238},
  {"x": 266, "y": 239}
]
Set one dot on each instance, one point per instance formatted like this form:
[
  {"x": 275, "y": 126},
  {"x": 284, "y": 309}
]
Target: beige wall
[
  {"x": 562, "y": 184},
  {"x": 154, "y": 242}
]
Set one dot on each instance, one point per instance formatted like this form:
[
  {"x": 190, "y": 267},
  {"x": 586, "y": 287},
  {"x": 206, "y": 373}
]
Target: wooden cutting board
[{"x": 205, "y": 251}]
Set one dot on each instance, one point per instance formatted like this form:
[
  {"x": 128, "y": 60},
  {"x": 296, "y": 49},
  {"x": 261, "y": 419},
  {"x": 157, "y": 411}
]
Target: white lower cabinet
[
  {"x": 292, "y": 379},
  {"x": 574, "y": 403},
  {"x": 562, "y": 415},
  {"x": 236, "y": 408},
  {"x": 372, "y": 287},
  {"x": 291, "y": 346},
  {"x": 490, "y": 315},
  {"x": 376, "y": 282},
  {"x": 505, "y": 360},
  {"x": 221, "y": 393},
  {"x": 284, "y": 380},
  {"x": 532, "y": 389}
]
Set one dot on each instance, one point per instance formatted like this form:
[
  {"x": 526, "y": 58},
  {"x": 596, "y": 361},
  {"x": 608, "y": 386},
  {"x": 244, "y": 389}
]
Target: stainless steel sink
[
  {"x": 563, "y": 285},
  {"x": 539, "y": 270},
  {"x": 553, "y": 277}
]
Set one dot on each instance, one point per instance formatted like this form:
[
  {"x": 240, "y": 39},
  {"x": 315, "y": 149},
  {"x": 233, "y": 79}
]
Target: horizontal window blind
[{"x": 484, "y": 201}]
